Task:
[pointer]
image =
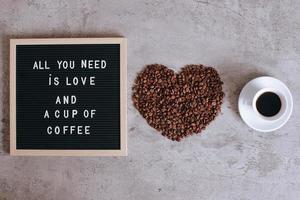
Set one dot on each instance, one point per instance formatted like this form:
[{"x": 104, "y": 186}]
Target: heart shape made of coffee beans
[{"x": 178, "y": 104}]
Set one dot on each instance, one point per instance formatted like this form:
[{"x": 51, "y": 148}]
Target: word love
[
  {"x": 70, "y": 64},
  {"x": 71, "y": 81}
]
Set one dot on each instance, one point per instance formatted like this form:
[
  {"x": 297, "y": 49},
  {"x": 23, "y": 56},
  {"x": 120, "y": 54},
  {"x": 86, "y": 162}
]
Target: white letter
[
  {"x": 49, "y": 79},
  {"x": 35, "y": 65},
  {"x": 86, "y": 113},
  {"x": 73, "y": 99},
  {"x": 56, "y": 81},
  {"x": 65, "y": 129},
  {"x": 59, "y": 63},
  {"x": 74, "y": 113},
  {"x": 72, "y": 129},
  {"x": 75, "y": 80},
  {"x": 57, "y": 113},
  {"x": 67, "y": 81},
  {"x": 93, "y": 112},
  {"x": 46, "y": 115},
  {"x": 87, "y": 130},
  {"x": 103, "y": 64},
  {"x": 92, "y": 80},
  {"x": 66, "y": 99},
  {"x": 57, "y": 100},
  {"x": 96, "y": 64},
  {"x": 79, "y": 130},
  {"x": 83, "y": 63},
  {"x": 49, "y": 130},
  {"x": 56, "y": 130}
]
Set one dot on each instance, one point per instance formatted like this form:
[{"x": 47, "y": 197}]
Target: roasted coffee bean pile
[{"x": 178, "y": 104}]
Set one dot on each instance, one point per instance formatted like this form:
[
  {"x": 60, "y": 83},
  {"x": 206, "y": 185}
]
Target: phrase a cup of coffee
[{"x": 265, "y": 104}]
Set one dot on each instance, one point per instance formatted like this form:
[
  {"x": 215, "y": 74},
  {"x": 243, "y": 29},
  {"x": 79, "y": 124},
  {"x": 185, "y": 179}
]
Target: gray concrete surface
[{"x": 241, "y": 38}]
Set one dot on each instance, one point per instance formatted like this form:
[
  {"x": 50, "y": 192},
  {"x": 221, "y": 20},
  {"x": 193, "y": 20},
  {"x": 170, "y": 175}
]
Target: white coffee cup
[{"x": 248, "y": 108}]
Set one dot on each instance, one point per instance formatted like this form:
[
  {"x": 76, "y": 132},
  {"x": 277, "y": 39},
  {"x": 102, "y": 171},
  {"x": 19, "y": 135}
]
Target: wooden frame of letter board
[{"x": 123, "y": 97}]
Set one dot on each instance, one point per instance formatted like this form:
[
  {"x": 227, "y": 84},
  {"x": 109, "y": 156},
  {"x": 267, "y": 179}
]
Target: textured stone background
[{"x": 241, "y": 38}]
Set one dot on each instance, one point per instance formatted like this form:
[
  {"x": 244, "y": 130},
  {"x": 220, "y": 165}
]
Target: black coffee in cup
[{"x": 268, "y": 104}]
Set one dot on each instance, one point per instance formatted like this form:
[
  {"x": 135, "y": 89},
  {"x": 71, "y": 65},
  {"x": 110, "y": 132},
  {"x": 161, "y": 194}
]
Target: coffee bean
[{"x": 178, "y": 104}]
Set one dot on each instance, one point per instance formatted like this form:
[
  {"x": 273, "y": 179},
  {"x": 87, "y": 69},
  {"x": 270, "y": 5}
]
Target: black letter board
[{"x": 68, "y": 97}]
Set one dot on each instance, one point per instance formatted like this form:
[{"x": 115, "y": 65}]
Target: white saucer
[{"x": 250, "y": 115}]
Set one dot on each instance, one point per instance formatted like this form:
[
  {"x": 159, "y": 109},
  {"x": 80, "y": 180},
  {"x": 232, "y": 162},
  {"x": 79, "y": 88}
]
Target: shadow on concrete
[
  {"x": 5, "y": 94},
  {"x": 235, "y": 76}
]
